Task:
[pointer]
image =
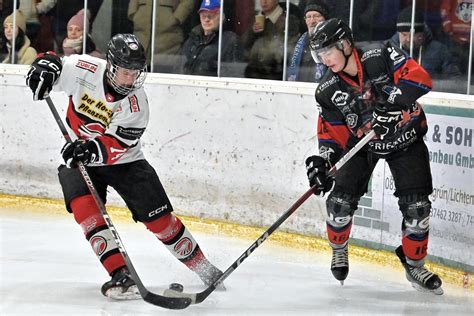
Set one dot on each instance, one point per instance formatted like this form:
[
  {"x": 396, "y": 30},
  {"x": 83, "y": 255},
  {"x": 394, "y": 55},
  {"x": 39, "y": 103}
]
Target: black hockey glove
[
  {"x": 80, "y": 150},
  {"x": 385, "y": 121},
  {"x": 44, "y": 72},
  {"x": 317, "y": 170}
]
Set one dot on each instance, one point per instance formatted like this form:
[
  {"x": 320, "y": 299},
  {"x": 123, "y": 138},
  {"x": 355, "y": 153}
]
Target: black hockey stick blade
[
  {"x": 149, "y": 297},
  {"x": 166, "y": 301},
  {"x": 197, "y": 298}
]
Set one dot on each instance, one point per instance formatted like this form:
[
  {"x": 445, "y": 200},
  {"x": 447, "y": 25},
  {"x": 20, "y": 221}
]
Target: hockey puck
[{"x": 176, "y": 287}]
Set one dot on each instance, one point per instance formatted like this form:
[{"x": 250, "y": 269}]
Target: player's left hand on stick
[
  {"x": 317, "y": 170},
  {"x": 44, "y": 72},
  {"x": 80, "y": 151}
]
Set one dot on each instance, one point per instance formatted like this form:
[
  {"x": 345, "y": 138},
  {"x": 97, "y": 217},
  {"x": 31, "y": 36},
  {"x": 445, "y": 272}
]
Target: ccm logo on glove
[{"x": 43, "y": 74}]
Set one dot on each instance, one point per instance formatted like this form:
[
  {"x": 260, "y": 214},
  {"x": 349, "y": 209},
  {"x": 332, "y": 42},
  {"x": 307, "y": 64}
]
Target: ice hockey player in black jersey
[
  {"x": 372, "y": 88},
  {"x": 108, "y": 112}
]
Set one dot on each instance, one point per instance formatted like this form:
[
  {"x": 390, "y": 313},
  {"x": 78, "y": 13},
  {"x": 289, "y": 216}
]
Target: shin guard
[
  {"x": 340, "y": 208},
  {"x": 175, "y": 236},
  {"x": 415, "y": 227},
  {"x": 88, "y": 216}
]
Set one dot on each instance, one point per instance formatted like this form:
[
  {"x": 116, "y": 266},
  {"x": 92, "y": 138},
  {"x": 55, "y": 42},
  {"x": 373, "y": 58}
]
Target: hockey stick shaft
[
  {"x": 199, "y": 297},
  {"x": 155, "y": 299}
]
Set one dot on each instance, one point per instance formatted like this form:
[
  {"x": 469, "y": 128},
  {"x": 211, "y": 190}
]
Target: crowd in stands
[{"x": 186, "y": 33}]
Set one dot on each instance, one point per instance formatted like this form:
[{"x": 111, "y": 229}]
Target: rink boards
[{"x": 233, "y": 150}]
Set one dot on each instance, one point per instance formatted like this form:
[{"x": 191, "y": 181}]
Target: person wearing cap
[
  {"x": 428, "y": 52},
  {"x": 24, "y": 53},
  {"x": 302, "y": 66},
  {"x": 169, "y": 36},
  {"x": 200, "y": 51},
  {"x": 264, "y": 45},
  {"x": 73, "y": 43}
]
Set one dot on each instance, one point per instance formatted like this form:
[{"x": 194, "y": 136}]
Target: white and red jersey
[{"x": 116, "y": 126}]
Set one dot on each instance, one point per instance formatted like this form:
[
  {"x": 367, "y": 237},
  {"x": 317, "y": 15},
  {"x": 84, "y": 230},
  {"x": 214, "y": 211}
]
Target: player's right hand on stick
[
  {"x": 317, "y": 170},
  {"x": 44, "y": 72}
]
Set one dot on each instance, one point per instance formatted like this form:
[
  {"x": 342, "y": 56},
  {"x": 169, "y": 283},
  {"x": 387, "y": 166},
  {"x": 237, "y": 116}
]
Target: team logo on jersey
[
  {"x": 184, "y": 247},
  {"x": 352, "y": 120},
  {"x": 326, "y": 152},
  {"x": 99, "y": 244},
  {"x": 339, "y": 98},
  {"x": 395, "y": 56},
  {"x": 134, "y": 107},
  {"x": 464, "y": 11},
  {"x": 86, "y": 66}
]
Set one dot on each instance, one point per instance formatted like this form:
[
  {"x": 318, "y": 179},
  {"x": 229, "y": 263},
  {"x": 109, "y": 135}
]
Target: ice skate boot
[
  {"x": 121, "y": 286},
  {"x": 420, "y": 278},
  {"x": 209, "y": 274},
  {"x": 340, "y": 263}
]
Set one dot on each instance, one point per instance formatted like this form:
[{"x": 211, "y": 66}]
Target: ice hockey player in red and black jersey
[
  {"x": 372, "y": 88},
  {"x": 108, "y": 112}
]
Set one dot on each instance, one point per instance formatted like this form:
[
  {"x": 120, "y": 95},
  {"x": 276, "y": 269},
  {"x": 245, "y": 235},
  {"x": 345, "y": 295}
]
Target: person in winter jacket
[
  {"x": 73, "y": 43},
  {"x": 264, "y": 45},
  {"x": 200, "y": 51},
  {"x": 24, "y": 53},
  {"x": 429, "y": 53},
  {"x": 301, "y": 65}
]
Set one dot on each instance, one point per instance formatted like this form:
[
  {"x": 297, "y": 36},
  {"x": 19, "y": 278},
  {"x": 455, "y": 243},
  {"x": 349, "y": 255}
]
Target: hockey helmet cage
[{"x": 125, "y": 51}]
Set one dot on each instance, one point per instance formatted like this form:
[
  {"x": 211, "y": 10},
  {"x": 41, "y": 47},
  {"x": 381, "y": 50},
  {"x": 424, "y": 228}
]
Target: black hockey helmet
[
  {"x": 125, "y": 51},
  {"x": 328, "y": 34}
]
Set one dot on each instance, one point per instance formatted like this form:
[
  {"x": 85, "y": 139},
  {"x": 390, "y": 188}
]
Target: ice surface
[{"x": 48, "y": 268}]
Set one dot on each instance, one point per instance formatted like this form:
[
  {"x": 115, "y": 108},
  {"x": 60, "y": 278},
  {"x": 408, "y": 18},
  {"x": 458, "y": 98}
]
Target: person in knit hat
[
  {"x": 24, "y": 53},
  {"x": 301, "y": 65},
  {"x": 428, "y": 52},
  {"x": 72, "y": 44}
]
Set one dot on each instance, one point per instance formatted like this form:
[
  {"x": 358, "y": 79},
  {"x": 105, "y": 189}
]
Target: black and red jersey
[{"x": 387, "y": 77}]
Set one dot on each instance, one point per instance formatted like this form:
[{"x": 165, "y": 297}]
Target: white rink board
[{"x": 232, "y": 150}]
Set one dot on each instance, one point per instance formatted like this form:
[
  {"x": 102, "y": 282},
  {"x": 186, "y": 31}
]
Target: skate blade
[
  {"x": 116, "y": 293},
  {"x": 438, "y": 291},
  {"x": 342, "y": 282}
]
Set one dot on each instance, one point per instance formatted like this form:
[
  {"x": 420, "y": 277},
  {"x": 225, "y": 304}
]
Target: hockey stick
[
  {"x": 199, "y": 297},
  {"x": 152, "y": 298}
]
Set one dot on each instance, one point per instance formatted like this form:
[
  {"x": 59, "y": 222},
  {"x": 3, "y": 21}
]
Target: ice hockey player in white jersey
[{"x": 108, "y": 111}]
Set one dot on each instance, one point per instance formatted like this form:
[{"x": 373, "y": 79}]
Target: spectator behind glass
[
  {"x": 200, "y": 50},
  {"x": 457, "y": 19},
  {"x": 62, "y": 11},
  {"x": 456, "y": 16},
  {"x": 169, "y": 37},
  {"x": 302, "y": 66},
  {"x": 429, "y": 53},
  {"x": 6, "y": 8},
  {"x": 24, "y": 53},
  {"x": 264, "y": 45},
  {"x": 72, "y": 44}
]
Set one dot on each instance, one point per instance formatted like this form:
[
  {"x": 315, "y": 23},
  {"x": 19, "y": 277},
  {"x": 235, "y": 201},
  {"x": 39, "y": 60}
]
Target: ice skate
[
  {"x": 420, "y": 278},
  {"x": 340, "y": 263},
  {"x": 209, "y": 274},
  {"x": 121, "y": 286}
]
